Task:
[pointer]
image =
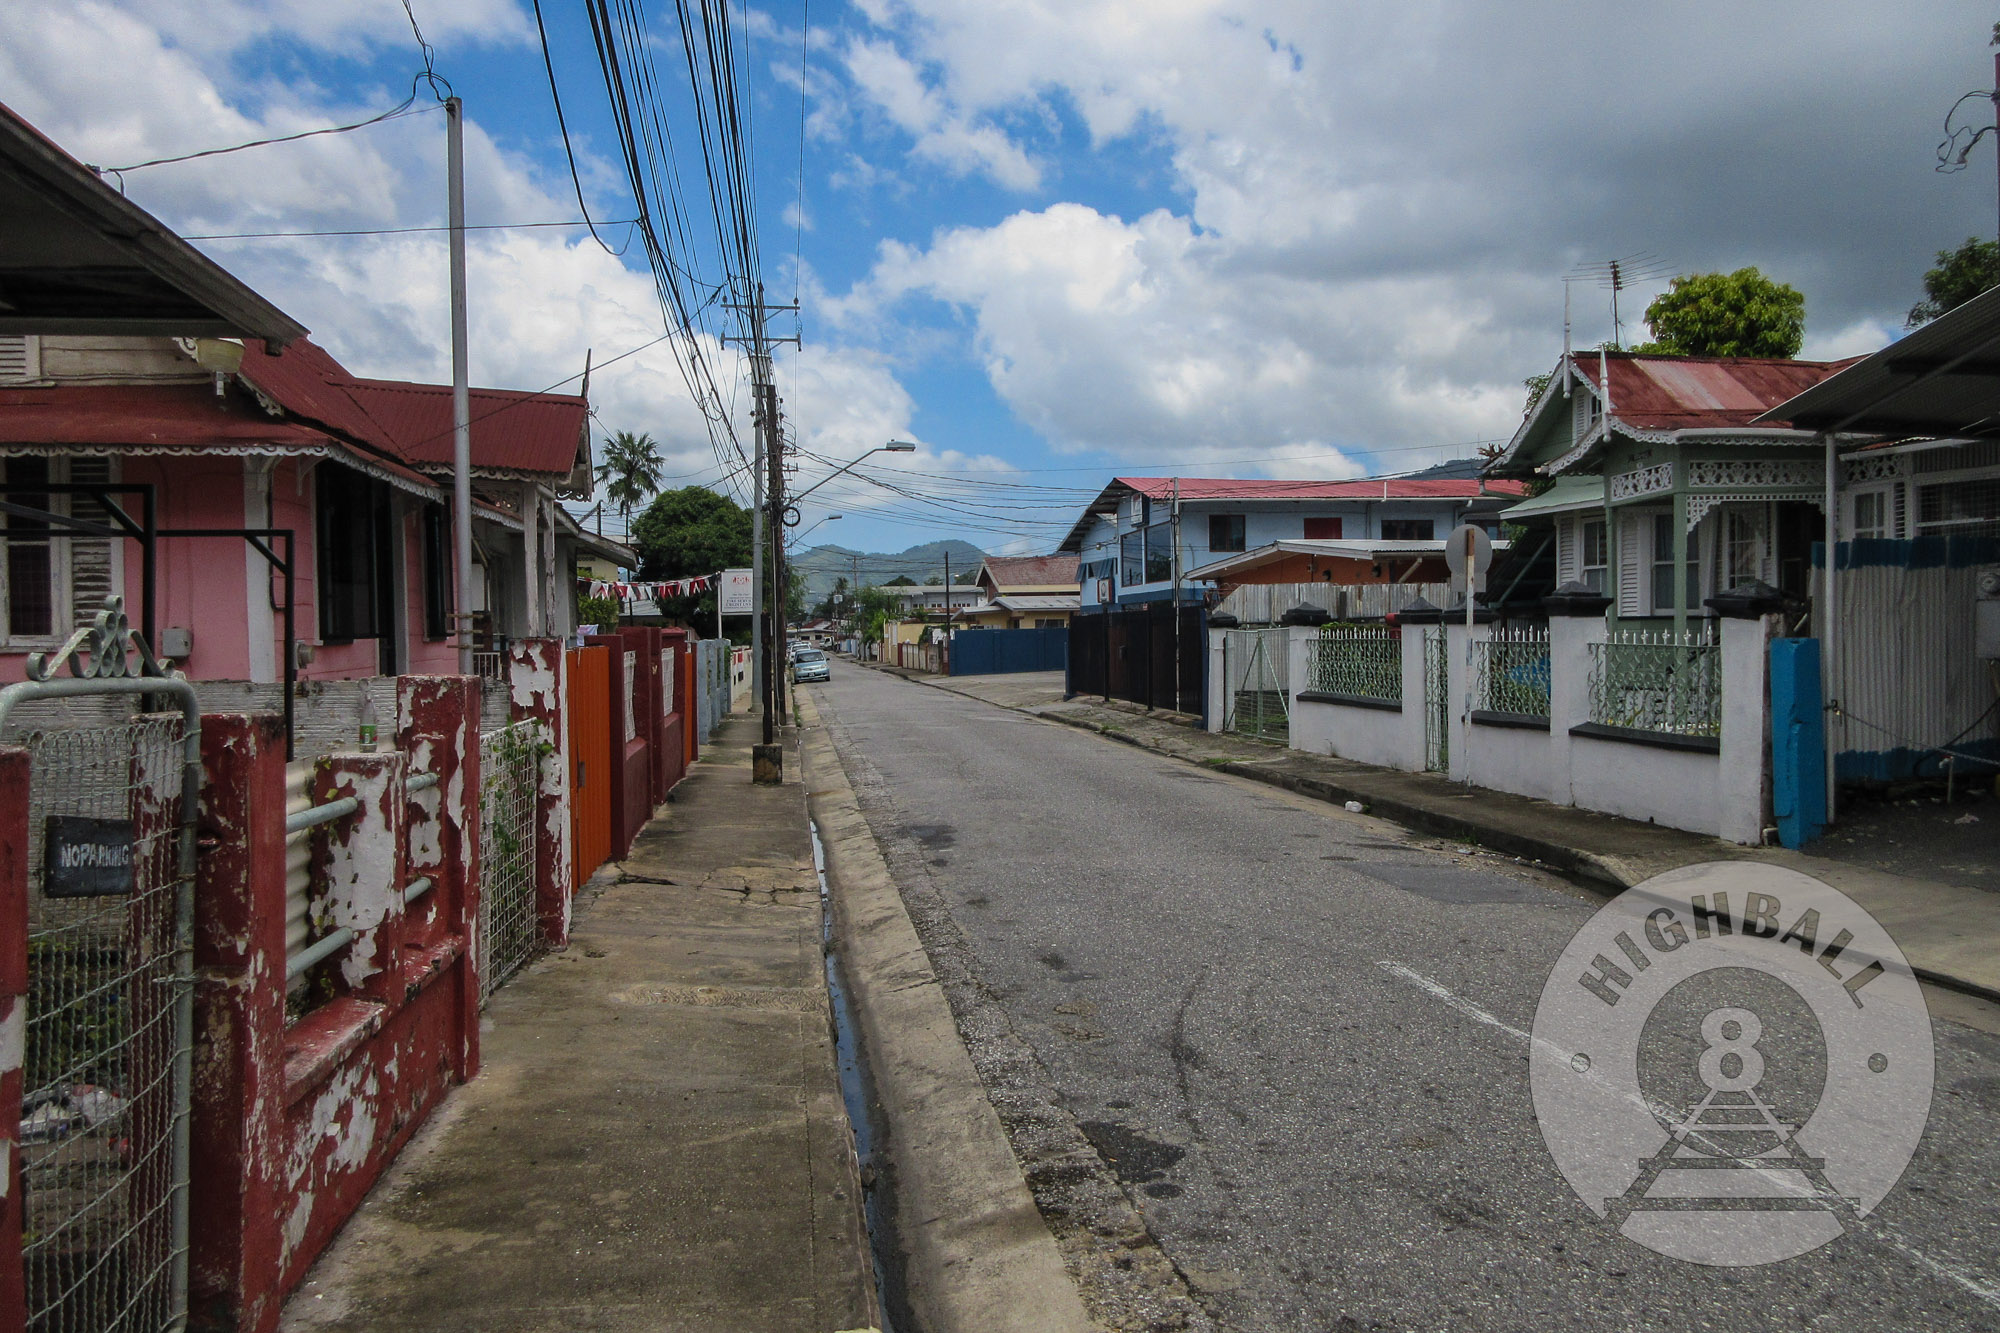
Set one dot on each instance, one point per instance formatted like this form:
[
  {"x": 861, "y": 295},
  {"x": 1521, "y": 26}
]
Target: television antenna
[{"x": 1616, "y": 275}]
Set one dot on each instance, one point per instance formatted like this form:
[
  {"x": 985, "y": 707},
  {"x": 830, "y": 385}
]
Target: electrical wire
[
  {"x": 429, "y": 54},
  {"x": 383, "y": 231},
  {"x": 406, "y": 107}
]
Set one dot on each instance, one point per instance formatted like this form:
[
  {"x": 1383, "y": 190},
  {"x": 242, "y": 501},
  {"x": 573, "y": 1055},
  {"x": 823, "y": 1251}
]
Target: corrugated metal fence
[{"x": 1264, "y": 603}]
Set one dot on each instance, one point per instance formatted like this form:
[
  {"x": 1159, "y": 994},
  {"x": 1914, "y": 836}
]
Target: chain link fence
[
  {"x": 1652, "y": 680},
  {"x": 1510, "y": 672},
  {"x": 509, "y": 932},
  {"x": 1360, "y": 661},
  {"x": 1257, "y": 698},
  {"x": 101, "y": 1101}
]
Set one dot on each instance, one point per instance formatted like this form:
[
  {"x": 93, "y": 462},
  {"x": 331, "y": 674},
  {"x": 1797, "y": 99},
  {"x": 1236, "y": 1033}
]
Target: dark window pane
[
  {"x": 31, "y": 606},
  {"x": 1132, "y": 560},
  {"x": 1323, "y": 529},
  {"x": 1225, "y": 532},
  {"x": 1408, "y": 530},
  {"x": 1160, "y": 553}
]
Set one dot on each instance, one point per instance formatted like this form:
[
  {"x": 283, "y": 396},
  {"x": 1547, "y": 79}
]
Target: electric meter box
[{"x": 1986, "y": 615}]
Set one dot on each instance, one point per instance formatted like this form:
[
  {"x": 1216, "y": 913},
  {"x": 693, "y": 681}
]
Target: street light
[
  {"x": 800, "y": 536},
  {"x": 892, "y": 447}
]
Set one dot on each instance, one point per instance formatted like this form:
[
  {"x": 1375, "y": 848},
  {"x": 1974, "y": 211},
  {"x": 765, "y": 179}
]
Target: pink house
[{"x": 356, "y": 471}]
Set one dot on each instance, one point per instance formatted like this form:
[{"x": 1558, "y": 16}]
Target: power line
[
  {"x": 406, "y": 107},
  {"x": 429, "y": 54},
  {"x": 384, "y": 231}
]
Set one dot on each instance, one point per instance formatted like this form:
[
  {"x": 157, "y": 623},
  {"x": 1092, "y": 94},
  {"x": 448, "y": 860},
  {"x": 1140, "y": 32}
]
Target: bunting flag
[{"x": 634, "y": 592}]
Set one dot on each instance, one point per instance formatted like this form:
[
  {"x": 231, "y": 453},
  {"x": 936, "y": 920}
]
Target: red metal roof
[
  {"x": 511, "y": 431},
  {"x": 176, "y": 415},
  {"x": 1032, "y": 571},
  {"x": 1694, "y": 392},
  {"x": 1390, "y": 488}
]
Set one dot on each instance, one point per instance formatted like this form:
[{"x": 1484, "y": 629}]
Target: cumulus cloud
[{"x": 1376, "y": 204}]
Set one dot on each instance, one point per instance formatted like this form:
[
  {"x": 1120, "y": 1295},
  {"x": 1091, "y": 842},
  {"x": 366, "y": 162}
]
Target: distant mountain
[{"x": 822, "y": 566}]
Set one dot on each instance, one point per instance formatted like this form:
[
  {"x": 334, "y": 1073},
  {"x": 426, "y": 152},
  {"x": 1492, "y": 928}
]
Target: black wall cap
[
  {"x": 1305, "y": 613},
  {"x": 1418, "y": 612},
  {"x": 1749, "y": 601},
  {"x": 1575, "y": 599},
  {"x": 1222, "y": 620}
]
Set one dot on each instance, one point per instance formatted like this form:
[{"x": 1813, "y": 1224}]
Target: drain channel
[{"x": 854, "y": 1083}]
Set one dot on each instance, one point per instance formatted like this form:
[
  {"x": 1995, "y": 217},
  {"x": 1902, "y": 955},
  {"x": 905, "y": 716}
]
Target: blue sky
[{"x": 1053, "y": 240}]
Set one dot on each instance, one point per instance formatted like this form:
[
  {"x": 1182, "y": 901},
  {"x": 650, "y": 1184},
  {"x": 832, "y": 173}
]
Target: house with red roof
[
  {"x": 1152, "y": 539},
  {"x": 218, "y": 437},
  {"x": 1024, "y": 592},
  {"x": 1661, "y": 485}
]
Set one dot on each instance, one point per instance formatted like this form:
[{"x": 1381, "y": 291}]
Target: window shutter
[
  {"x": 20, "y": 357},
  {"x": 1581, "y": 404},
  {"x": 1897, "y": 492},
  {"x": 1631, "y": 566},
  {"x": 1566, "y": 567},
  {"x": 90, "y": 558}
]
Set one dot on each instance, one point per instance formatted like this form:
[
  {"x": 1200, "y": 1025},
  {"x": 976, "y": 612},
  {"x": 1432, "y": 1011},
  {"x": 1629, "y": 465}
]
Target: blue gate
[{"x": 993, "y": 652}]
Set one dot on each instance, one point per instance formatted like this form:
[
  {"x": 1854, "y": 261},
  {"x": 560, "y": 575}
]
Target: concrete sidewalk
[
  {"x": 1950, "y": 933},
  {"x": 657, "y": 1139}
]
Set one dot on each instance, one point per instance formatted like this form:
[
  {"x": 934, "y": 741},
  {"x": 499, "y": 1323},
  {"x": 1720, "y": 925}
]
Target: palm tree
[{"x": 629, "y": 471}]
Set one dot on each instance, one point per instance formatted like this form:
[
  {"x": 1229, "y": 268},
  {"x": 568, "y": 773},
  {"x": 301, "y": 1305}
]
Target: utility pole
[
  {"x": 767, "y": 474},
  {"x": 1174, "y": 513},
  {"x": 461, "y": 390}
]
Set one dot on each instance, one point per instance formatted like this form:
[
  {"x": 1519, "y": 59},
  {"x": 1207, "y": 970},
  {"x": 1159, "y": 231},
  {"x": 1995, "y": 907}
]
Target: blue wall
[{"x": 993, "y": 652}]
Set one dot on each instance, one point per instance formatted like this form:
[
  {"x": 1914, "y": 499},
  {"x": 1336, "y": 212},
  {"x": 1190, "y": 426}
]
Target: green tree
[
  {"x": 1534, "y": 384},
  {"x": 1960, "y": 275},
  {"x": 901, "y": 581},
  {"x": 1726, "y": 314},
  {"x": 873, "y": 607},
  {"x": 686, "y": 533},
  {"x": 629, "y": 470}
]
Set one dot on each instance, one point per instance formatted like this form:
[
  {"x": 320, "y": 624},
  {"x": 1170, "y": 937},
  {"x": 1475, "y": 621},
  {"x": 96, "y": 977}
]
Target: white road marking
[{"x": 1974, "y": 1283}]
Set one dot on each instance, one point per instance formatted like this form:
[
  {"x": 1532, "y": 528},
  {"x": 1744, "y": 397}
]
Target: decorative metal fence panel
[
  {"x": 1511, "y": 672},
  {"x": 510, "y": 761},
  {"x": 1649, "y": 680},
  {"x": 1437, "y": 701},
  {"x": 1363, "y": 661},
  {"x": 1256, "y": 697},
  {"x": 105, "y": 1096}
]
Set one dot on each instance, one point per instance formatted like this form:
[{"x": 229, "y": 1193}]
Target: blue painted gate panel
[
  {"x": 1798, "y": 741},
  {"x": 992, "y": 652}
]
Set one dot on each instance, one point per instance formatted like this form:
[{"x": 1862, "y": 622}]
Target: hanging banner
[{"x": 738, "y": 593}]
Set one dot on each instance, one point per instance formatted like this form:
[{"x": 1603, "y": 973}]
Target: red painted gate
[{"x": 590, "y": 776}]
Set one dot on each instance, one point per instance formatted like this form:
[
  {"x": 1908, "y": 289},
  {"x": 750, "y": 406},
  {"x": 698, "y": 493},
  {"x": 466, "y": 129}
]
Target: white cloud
[{"x": 943, "y": 134}]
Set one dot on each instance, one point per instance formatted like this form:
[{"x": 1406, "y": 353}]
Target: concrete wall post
[
  {"x": 1570, "y": 640},
  {"x": 437, "y": 726},
  {"x": 238, "y": 1112},
  {"x": 1745, "y": 803},
  {"x": 1415, "y": 702},
  {"x": 1218, "y": 685}
]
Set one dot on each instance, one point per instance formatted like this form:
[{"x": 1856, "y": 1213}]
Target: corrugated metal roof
[
  {"x": 1940, "y": 379},
  {"x": 1652, "y": 392},
  {"x": 307, "y": 381},
  {"x": 511, "y": 431},
  {"x": 1381, "y": 488},
  {"x": 1567, "y": 495},
  {"x": 1032, "y": 571}
]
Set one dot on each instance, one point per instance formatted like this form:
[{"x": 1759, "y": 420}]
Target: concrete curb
[{"x": 978, "y": 1256}]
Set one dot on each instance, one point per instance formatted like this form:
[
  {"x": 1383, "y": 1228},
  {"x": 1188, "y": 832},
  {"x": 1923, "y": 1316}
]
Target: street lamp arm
[{"x": 892, "y": 447}]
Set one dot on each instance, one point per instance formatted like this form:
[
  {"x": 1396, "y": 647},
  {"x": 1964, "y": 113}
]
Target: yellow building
[{"x": 1023, "y": 592}]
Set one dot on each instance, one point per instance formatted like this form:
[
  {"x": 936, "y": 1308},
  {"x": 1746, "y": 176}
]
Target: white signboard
[{"x": 738, "y": 593}]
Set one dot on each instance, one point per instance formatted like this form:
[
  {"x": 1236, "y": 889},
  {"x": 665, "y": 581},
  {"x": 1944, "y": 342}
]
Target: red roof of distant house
[
  {"x": 1032, "y": 571},
  {"x": 511, "y": 431},
  {"x": 1385, "y": 488},
  {"x": 1654, "y": 392}
]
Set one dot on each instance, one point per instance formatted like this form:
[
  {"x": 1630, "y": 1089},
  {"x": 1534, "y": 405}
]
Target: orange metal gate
[{"x": 590, "y": 757}]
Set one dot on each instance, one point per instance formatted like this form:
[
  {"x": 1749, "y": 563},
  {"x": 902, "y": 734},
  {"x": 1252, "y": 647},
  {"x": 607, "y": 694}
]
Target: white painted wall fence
[{"x": 1721, "y": 791}]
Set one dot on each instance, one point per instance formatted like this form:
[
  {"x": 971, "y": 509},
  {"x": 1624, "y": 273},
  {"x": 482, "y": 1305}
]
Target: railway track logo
[{"x": 1732, "y": 1063}]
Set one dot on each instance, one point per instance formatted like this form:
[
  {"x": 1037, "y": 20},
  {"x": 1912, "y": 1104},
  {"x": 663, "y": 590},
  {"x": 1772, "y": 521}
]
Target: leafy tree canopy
[
  {"x": 688, "y": 532},
  {"x": 1960, "y": 275},
  {"x": 1727, "y": 314},
  {"x": 901, "y": 581}
]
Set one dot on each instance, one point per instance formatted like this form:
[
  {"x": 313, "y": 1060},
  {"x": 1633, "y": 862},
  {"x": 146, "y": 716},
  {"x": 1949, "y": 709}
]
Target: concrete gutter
[
  {"x": 1945, "y": 931},
  {"x": 978, "y": 1257}
]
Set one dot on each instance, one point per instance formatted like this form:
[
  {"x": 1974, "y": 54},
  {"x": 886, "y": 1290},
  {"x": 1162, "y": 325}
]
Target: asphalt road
[{"x": 1294, "y": 1036}]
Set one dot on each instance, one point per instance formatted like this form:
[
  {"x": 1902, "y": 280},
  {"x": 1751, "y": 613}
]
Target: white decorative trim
[
  {"x": 1699, "y": 506},
  {"x": 1589, "y": 441},
  {"x": 1755, "y": 472},
  {"x": 1643, "y": 481},
  {"x": 311, "y": 452},
  {"x": 1879, "y": 468}
]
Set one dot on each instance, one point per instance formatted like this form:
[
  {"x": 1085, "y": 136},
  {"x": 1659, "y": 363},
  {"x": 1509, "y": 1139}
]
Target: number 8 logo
[{"x": 1725, "y": 1045}]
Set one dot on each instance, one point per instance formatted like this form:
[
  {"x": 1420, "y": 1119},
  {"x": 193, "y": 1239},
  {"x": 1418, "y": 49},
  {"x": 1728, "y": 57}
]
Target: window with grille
[
  {"x": 1969, "y": 508},
  {"x": 1742, "y": 549},
  {"x": 30, "y": 588}
]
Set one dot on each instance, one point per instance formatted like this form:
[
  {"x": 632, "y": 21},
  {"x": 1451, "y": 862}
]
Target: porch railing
[
  {"x": 303, "y": 959},
  {"x": 1361, "y": 661},
  {"x": 1649, "y": 680}
]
